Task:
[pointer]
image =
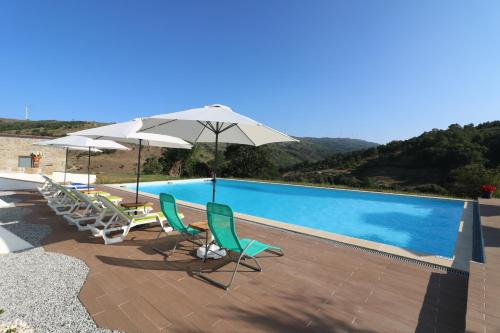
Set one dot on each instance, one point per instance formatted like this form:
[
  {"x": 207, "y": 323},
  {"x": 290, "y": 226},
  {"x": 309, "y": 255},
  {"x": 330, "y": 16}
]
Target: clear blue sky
[{"x": 376, "y": 70}]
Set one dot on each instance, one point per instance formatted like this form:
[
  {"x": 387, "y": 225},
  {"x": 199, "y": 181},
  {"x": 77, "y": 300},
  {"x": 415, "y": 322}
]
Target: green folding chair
[
  {"x": 221, "y": 224},
  {"x": 169, "y": 209}
]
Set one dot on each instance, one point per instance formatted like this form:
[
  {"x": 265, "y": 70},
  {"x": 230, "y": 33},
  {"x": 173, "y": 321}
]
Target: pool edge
[{"x": 302, "y": 185}]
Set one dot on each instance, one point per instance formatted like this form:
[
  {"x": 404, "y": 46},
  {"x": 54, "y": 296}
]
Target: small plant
[
  {"x": 488, "y": 191},
  {"x": 7, "y": 329},
  {"x": 37, "y": 154}
]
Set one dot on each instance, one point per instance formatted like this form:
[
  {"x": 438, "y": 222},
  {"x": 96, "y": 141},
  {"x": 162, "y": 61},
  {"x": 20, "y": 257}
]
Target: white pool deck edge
[{"x": 463, "y": 248}]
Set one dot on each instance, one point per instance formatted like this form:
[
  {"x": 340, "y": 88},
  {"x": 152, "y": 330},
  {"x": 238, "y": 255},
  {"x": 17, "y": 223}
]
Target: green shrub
[
  {"x": 430, "y": 188},
  {"x": 152, "y": 166}
]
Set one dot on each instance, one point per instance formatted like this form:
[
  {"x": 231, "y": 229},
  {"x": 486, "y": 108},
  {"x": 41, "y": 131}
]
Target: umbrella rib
[
  {"x": 158, "y": 125},
  {"x": 209, "y": 126},
  {"x": 201, "y": 132},
  {"x": 196, "y": 140},
  {"x": 227, "y": 127},
  {"x": 253, "y": 143}
]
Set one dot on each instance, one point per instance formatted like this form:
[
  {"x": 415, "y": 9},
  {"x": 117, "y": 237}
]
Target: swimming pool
[{"x": 424, "y": 225}]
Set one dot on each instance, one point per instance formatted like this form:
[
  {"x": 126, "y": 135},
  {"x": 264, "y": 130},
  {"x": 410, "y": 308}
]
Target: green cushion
[{"x": 150, "y": 217}]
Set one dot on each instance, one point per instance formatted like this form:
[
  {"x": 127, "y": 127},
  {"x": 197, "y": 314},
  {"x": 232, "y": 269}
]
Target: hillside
[
  {"x": 454, "y": 161},
  {"x": 44, "y": 127},
  {"x": 313, "y": 149},
  {"x": 284, "y": 155}
]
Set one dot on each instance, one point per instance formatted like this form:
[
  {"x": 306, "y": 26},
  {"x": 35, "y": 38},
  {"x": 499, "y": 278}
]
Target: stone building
[{"x": 16, "y": 155}]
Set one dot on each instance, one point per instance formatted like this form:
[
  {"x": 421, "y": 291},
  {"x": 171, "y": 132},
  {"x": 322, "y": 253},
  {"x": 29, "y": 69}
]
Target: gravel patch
[
  {"x": 13, "y": 219},
  {"x": 41, "y": 288}
]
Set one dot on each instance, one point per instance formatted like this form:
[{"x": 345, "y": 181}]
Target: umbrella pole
[
  {"x": 138, "y": 172},
  {"x": 65, "y": 165},
  {"x": 88, "y": 172},
  {"x": 216, "y": 158}
]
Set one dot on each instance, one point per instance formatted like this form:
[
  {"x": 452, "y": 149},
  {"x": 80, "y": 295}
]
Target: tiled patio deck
[
  {"x": 483, "y": 308},
  {"x": 316, "y": 287}
]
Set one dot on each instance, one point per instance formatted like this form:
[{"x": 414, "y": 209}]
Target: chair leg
[
  {"x": 154, "y": 247},
  {"x": 281, "y": 253},
  {"x": 235, "y": 271},
  {"x": 258, "y": 268},
  {"x": 164, "y": 253},
  {"x": 175, "y": 247}
]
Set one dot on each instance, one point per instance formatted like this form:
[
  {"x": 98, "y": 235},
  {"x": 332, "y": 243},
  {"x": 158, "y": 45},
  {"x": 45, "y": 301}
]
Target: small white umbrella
[
  {"x": 84, "y": 142},
  {"x": 67, "y": 148},
  {"x": 214, "y": 123},
  {"x": 128, "y": 132}
]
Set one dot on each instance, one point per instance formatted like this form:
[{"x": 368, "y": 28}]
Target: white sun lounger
[
  {"x": 122, "y": 221},
  {"x": 92, "y": 214}
]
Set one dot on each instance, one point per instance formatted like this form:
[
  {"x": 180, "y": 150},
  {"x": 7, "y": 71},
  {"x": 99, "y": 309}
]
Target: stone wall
[{"x": 11, "y": 147}]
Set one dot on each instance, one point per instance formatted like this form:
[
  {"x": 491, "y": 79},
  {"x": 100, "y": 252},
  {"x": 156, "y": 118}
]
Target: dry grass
[{"x": 114, "y": 178}]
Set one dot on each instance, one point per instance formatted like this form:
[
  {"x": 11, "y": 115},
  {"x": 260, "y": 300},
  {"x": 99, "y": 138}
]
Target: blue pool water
[{"x": 420, "y": 224}]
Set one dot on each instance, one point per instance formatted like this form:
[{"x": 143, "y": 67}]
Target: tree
[
  {"x": 173, "y": 160},
  {"x": 249, "y": 162},
  {"x": 183, "y": 163},
  {"x": 152, "y": 166},
  {"x": 466, "y": 181}
]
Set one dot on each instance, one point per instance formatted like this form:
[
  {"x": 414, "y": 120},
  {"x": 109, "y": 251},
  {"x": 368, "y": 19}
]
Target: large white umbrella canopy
[
  {"x": 128, "y": 132},
  {"x": 213, "y": 123},
  {"x": 84, "y": 143},
  {"x": 67, "y": 148}
]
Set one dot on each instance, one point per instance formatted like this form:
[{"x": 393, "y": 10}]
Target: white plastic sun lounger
[
  {"x": 118, "y": 226},
  {"x": 46, "y": 186},
  {"x": 49, "y": 189},
  {"x": 65, "y": 202},
  {"x": 92, "y": 214}
]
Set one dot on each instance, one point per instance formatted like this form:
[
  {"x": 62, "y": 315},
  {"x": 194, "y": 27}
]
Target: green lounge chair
[
  {"x": 174, "y": 218},
  {"x": 221, "y": 224}
]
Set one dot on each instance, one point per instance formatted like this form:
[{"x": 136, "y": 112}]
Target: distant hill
[
  {"x": 314, "y": 149},
  {"x": 284, "y": 155},
  {"x": 44, "y": 127},
  {"x": 454, "y": 161}
]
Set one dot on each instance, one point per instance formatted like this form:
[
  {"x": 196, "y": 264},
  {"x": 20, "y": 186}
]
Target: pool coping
[
  {"x": 461, "y": 256},
  {"x": 188, "y": 180}
]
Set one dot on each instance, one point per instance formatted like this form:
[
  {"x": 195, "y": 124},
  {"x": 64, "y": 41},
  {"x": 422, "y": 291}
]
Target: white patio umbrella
[
  {"x": 127, "y": 132},
  {"x": 214, "y": 123},
  {"x": 67, "y": 148},
  {"x": 84, "y": 142}
]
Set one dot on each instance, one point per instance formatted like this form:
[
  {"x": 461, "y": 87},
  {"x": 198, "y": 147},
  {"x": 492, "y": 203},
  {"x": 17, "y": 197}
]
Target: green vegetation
[
  {"x": 249, "y": 162},
  {"x": 178, "y": 163},
  {"x": 234, "y": 161},
  {"x": 287, "y": 154},
  {"x": 451, "y": 162},
  {"x": 455, "y": 161},
  {"x": 118, "y": 178},
  {"x": 10, "y": 329},
  {"x": 44, "y": 127},
  {"x": 283, "y": 155}
]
